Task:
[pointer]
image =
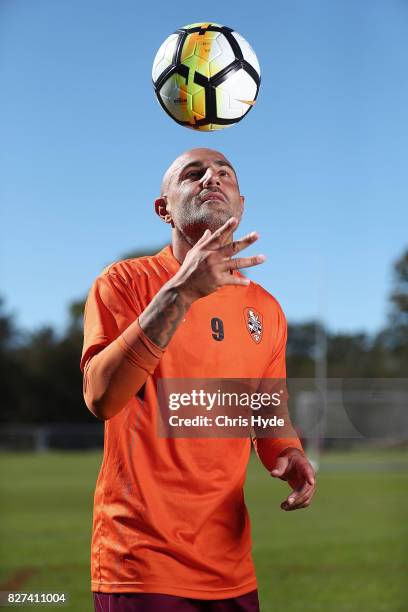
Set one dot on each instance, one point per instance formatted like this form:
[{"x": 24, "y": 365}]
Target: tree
[
  {"x": 399, "y": 295},
  {"x": 398, "y": 332},
  {"x": 300, "y": 350},
  {"x": 394, "y": 338},
  {"x": 12, "y": 375}
]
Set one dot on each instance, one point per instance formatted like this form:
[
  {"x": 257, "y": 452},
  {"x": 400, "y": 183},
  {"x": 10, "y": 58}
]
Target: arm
[
  {"x": 119, "y": 370},
  {"x": 268, "y": 449},
  {"x": 284, "y": 458}
]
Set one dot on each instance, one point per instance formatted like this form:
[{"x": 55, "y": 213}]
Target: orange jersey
[{"x": 169, "y": 514}]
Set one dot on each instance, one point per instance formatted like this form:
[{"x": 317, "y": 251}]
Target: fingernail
[
  {"x": 261, "y": 257},
  {"x": 291, "y": 500}
]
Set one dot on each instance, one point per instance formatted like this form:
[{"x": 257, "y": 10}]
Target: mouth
[{"x": 212, "y": 195}]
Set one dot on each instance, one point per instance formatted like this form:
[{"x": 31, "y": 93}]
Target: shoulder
[
  {"x": 136, "y": 274},
  {"x": 265, "y": 300},
  {"x": 127, "y": 269},
  {"x": 135, "y": 279}
]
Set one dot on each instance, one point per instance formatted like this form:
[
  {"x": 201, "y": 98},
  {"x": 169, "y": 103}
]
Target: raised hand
[{"x": 209, "y": 263}]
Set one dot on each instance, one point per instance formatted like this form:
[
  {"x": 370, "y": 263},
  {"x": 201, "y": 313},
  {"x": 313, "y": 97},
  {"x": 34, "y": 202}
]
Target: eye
[{"x": 193, "y": 174}]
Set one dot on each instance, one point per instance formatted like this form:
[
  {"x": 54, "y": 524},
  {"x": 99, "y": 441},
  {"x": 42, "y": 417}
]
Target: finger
[
  {"x": 236, "y": 280},
  {"x": 306, "y": 504},
  {"x": 224, "y": 230},
  {"x": 305, "y": 470},
  {"x": 294, "y": 501},
  {"x": 280, "y": 467},
  {"x": 298, "y": 503},
  {"x": 238, "y": 245},
  {"x": 243, "y": 262},
  {"x": 204, "y": 237},
  {"x": 310, "y": 474},
  {"x": 300, "y": 495}
]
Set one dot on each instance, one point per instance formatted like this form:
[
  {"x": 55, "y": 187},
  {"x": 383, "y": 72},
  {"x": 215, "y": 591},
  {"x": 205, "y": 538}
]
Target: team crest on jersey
[{"x": 254, "y": 323}]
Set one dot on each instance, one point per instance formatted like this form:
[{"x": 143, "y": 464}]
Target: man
[{"x": 171, "y": 530}]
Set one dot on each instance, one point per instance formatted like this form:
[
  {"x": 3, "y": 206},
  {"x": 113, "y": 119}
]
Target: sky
[{"x": 321, "y": 159}]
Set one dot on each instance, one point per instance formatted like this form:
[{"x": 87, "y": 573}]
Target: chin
[
  {"x": 212, "y": 220},
  {"x": 217, "y": 220}
]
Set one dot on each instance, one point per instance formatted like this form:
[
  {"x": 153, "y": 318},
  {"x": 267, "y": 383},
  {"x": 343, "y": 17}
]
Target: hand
[
  {"x": 293, "y": 466},
  {"x": 208, "y": 265}
]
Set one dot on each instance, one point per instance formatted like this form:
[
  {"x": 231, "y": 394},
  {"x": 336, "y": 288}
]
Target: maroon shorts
[{"x": 155, "y": 602}]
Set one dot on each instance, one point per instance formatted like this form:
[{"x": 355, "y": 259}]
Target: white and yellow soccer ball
[{"x": 206, "y": 76}]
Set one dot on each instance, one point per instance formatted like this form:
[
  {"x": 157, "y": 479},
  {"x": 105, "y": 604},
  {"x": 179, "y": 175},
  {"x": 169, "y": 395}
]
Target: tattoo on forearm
[{"x": 161, "y": 318}]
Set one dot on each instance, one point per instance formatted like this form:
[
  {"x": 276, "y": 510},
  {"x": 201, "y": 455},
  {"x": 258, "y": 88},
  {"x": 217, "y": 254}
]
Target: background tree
[
  {"x": 12, "y": 374},
  {"x": 399, "y": 294},
  {"x": 394, "y": 339}
]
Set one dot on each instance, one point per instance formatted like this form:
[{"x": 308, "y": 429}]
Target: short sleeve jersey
[{"x": 169, "y": 513}]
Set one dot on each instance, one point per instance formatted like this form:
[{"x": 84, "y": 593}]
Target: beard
[{"x": 197, "y": 217}]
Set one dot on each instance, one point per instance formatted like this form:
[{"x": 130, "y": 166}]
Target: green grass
[{"x": 347, "y": 552}]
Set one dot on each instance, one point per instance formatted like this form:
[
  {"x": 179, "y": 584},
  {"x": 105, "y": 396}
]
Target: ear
[
  {"x": 242, "y": 198},
  {"x": 160, "y": 206}
]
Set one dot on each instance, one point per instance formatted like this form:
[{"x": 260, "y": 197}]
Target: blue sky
[{"x": 321, "y": 159}]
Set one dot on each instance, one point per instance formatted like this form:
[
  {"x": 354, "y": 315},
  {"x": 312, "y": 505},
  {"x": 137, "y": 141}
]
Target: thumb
[
  {"x": 280, "y": 467},
  {"x": 206, "y": 235}
]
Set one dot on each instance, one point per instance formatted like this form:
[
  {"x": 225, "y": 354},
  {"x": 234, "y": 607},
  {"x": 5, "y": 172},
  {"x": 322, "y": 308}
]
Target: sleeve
[
  {"x": 268, "y": 449},
  {"x": 109, "y": 310},
  {"x": 117, "y": 356}
]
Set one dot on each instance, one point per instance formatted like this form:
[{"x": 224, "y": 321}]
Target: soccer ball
[{"x": 206, "y": 76}]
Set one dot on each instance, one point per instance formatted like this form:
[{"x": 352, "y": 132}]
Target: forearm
[
  {"x": 119, "y": 371},
  {"x": 285, "y": 436},
  {"x": 164, "y": 314}
]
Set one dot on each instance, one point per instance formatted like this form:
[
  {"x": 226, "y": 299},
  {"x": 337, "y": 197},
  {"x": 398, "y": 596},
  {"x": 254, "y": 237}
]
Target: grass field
[{"x": 347, "y": 552}]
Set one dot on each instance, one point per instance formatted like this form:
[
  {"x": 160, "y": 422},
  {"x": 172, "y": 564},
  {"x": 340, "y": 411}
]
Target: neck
[{"x": 181, "y": 246}]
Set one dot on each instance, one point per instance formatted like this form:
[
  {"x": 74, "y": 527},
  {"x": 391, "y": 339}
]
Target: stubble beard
[{"x": 197, "y": 218}]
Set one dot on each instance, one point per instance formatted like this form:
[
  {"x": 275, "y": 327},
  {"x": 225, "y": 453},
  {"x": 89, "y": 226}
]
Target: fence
[{"x": 57, "y": 436}]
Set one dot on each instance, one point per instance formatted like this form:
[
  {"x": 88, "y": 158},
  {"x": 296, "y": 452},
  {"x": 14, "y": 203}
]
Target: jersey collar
[{"x": 168, "y": 259}]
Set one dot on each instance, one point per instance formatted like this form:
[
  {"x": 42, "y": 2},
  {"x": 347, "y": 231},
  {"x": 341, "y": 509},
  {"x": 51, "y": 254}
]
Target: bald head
[{"x": 188, "y": 157}]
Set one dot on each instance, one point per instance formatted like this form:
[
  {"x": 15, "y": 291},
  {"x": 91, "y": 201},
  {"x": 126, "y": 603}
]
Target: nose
[{"x": 210, "y": 178}]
